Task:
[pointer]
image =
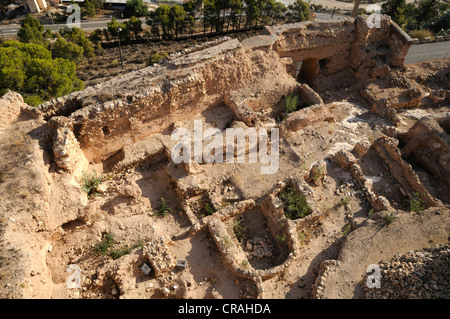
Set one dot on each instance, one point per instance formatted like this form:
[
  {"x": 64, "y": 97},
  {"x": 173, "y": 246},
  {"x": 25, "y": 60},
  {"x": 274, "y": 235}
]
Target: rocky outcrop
[
  {"x": 403, "y": 172},
  {"x": 430, "y": 145}
]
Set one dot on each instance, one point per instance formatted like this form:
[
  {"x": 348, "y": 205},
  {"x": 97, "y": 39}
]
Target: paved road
[
  {"x": 428, "y": 51},
  {"x": 12, "y": 29}
]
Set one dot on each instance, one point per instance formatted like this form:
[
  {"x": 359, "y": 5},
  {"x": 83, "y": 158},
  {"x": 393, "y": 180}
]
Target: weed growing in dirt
[
  {"x": 389, "y": 218},
  {"x": 416, "y": 204},
  {"x": 163, "y": 208},
  {"x": 345, "y": 201},
  {"x": 319, "y": 173},
  {"x": 346, "y": 230},
  {"x": 90, "y": 182},
  {"x": 106, "y": 244},
  {"x": 295, "y": 205},
  {"x": 302, "y": 237},
  {"x": 205, "y": 208},
  {"x": 291, "y": 103},
  {"x": 105, "y": 248},
  {"x": 116, "y": 253},
  {"x": 239, "y": 229}
]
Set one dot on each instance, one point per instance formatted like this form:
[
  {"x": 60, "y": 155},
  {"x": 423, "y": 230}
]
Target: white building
[{"x": 36, "y": 6}]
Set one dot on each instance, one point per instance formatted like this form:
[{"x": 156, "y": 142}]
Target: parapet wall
[{"x": 128, "y": 108}]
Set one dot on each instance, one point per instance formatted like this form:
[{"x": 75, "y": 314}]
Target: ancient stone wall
[
  {"x": 246, "y": 77},
  {"x": 430, "y": 145}
]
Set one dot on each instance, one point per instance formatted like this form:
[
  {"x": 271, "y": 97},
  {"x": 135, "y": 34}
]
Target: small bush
[
  {"x": 90, "y": 183},
  {"x": 114, "y": 63},
  {"x": 239, "y": 229},
  {"x": 421, "y": 34},
  {"x": 155, "y": 58},
  {"x": 105, "y": 248},
  {"x": 116, "y": 253},
  {"x": 205, "y": 208},
  {"x": 106, "y": 244},
  {"x": 163, "y": 208},
  {"x": 389, "y": 218},
  {"x": 416, "y": 204},
  {"x": 295, "y": 205},
  {"x": 346, "y": 229},
  {"x": 291, "y": 103}
]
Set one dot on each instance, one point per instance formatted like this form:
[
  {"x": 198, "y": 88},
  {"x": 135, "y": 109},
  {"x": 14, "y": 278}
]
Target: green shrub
[
  {"x": 421, "y": 34},
  {"x": 90, "y": 182},
  {"x": 205, "y": 208},
  {"x": 155, "y": 58},
  {"x": 291, "y": 103},
  {"x": 389, "y": 218},
  {"x": 346, "y": 229},
  {"x": 105, "y": 248},
  {"x": 163, "y": 208},
  {"x": 106, "y": 244},
  {"x": 239, "y": 229},
  {"x": 416, "y": 204},
  {"x": 116, "y": 253},
  {"x": 295, "y": 205}
]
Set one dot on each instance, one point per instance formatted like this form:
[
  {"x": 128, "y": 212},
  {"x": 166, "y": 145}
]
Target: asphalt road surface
[
  {"x": 428, "y": 51},
  {"x": 12, "y": 29}
]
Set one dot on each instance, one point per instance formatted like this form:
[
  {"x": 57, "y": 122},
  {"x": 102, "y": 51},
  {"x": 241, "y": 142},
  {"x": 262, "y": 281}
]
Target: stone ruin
[{"x": 122, "y": 128}]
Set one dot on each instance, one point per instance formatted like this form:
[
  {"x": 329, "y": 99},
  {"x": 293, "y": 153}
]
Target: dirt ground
[{"x": 127, "y": 204}]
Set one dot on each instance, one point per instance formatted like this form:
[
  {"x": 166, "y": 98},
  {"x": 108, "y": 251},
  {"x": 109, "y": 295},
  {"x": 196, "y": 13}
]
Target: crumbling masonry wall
[{"x": 126, "y": 109}]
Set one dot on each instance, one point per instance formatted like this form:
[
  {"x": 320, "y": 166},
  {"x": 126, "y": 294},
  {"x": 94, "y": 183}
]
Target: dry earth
[{"x": 358, "y": 154}]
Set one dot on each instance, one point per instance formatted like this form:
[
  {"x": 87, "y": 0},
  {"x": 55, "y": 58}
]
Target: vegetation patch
[
  {"x": 239, "y": 229},
  {"x": 90, "y": 182},
  {"x": 294, "y": 204},
  {"x": 105, "y": 248},
  {"x": 389, "y": 218},
  {"x": 203, "y": 207},
  {"x": 416, "y": 203},
  {"x": 163, "y": 208}
]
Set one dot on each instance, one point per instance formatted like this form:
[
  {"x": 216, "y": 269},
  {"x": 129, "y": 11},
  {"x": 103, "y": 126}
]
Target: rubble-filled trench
[{"x": 93, "y": 204}]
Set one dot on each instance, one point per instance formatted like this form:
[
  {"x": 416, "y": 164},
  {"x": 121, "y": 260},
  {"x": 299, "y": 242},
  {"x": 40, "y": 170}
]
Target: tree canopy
[{"x": 30, "y": 70}]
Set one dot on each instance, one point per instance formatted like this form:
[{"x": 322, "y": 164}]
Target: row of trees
[
  {"x": 222, "y": 15},
  {"x": 431, "y": 15},
  {"x": 171, "y": 21}
]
